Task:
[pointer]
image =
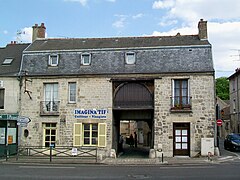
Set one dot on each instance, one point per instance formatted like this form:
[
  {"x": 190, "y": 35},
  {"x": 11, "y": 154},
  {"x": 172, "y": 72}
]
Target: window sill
[{"x": 182, "y": 110}]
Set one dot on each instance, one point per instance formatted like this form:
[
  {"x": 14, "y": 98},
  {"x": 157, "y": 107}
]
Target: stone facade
[
  {"x": 142, "y": 91},
  {"x": 92, "y": 93},
  {"x": 201, "y": 118}
]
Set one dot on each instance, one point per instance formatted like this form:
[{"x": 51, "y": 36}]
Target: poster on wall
[
  {"x": 2, "y": 135},
  {"x": 12, "y": 134}
]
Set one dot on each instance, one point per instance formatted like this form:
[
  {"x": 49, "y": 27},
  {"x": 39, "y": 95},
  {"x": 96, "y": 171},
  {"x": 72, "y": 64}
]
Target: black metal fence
[{"x": 84, "y": 154}]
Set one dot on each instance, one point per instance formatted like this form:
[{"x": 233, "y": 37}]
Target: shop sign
[
  {"x": 90, "y": 113},
  {"x": 8, "y": 116}
]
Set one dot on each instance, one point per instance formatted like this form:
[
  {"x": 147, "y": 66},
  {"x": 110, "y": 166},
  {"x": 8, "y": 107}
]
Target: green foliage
[{"x": 222, "y": 88}]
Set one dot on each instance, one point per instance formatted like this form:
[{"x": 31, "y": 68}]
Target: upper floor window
[
  {"x": 72, "y": 92},
  {"x": 2, "y": 92},
  {"x": 7, "y": 61},
  {"x": 181, "y": 98},
  {"x": 130, "y": 58},
  {"x": 86, "y": 59},
  {"x": 53, "y": 60}
]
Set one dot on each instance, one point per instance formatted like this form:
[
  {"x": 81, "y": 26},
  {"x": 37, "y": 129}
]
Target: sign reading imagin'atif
[{"x": 90, "y": 113}]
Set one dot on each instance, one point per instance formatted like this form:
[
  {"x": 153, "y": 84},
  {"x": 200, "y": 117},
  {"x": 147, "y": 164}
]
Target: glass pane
[
  {"x": 184, "y": 139},
  {"x": 47, "y": 131},
  {"x": 86, "y": 134},
  {"x": 47, "y": 138},
  {"x": 177, "y": 132},
  {"x": 86, "y": 141},
  {"x": 94, "y": 141},
  {"x": 184, "y": 146},
  {"x": 94, "y": 126},
  {"x": 53, "y": 132},
  {"x": 178, "y": 146},
  {"x": 178, "y": 139},
  {"x": 53, "y": 138},
  {"x": 184, "y": 132},
  {"x": 46, "y": 144},
  {"x": 94, "y": 134},
  {"x": 53, "y": 124},
  {"x": 86, "y": 126},
  {"x": 184, "y": 84}
]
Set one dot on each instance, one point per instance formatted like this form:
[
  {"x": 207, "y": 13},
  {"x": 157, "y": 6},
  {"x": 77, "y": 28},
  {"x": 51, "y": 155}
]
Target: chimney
[
  {"x": 38, "y": 31},
  {"x": 202, "y": 30}
]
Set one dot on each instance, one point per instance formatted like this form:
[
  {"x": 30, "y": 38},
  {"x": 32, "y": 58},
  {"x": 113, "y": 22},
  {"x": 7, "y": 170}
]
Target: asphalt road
[{"x": 229, "y": 171}]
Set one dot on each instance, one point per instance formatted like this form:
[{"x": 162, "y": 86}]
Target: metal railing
[
  {"x": 181, "y": 103},
  {"x": 58, "y": 152},
  {"x": 49, "y": 107}
]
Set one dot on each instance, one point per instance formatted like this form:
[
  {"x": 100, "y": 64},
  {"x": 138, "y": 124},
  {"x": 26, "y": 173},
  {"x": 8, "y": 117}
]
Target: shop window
[
  {"x": 89, "y": 134},
  {"x": 2, "y": 92},
  {"x": 49, "y": 134},
  {"x": 72, "y": 92}
]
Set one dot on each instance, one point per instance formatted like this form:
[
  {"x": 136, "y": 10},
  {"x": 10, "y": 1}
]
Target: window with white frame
[
  {"x": 89, "y": 134},
  {"x": 49, "y": 134},
  {"x": 53, "y": 60},
  {"x": 130, "y": 58},
  {"x": 72, "y": 92},
  {"x": 180, "y": 97},
  {"x": 85, "y": 59},
  {"x": 2, "y": 92},
  {"x": 7, "y": 61},
  {"x": 51, "y": 97}
]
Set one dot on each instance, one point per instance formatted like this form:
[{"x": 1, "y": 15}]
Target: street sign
[
  {"x": 219, "y": 122},
  {"x": 23, "y": 120}
]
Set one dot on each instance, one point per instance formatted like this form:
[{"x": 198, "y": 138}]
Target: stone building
[
  {"x": 234, "y": 90},
  {"x": 10, "y": 60},
  {"x": 81, "y": 89}
]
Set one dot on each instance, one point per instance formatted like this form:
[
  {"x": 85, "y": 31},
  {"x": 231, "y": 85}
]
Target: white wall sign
[{"x": 90, "y": 113}]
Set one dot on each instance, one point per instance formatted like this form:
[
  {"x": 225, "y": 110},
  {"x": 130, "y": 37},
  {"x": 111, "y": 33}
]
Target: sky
[{"x": 124, "y": 18}]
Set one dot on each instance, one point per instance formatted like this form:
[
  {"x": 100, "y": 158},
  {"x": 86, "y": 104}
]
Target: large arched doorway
[{"x": 133, "y": 107}]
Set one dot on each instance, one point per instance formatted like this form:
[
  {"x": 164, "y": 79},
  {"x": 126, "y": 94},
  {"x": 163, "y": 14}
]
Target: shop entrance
[{"x": 133, "y": 118}]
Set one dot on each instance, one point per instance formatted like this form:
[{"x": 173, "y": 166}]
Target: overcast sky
[{"x": 111, "y": 18}]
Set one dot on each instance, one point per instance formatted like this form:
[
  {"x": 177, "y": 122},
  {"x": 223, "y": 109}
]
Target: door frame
[{"x": 184, "y": 128}]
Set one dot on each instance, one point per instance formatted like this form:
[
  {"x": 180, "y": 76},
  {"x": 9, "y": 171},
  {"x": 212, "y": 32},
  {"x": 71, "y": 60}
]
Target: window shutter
[
  {"x": 102, "y": 134},
  {"x": 173, "y": 95},
  {"x": 77, "y": 136}
]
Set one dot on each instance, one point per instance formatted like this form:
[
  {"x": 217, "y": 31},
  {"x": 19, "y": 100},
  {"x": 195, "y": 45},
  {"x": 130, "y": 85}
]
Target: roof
[
  {"x": 117, "y": 42},
  {"x": 237, "y": 72},
  {"x": 14, "y": 52},
  {"x": 154, "y": 55}
]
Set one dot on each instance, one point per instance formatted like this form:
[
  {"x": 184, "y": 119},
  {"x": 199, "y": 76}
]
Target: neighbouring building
[
  {"x": 223, "y": 113},
  {"x": 81, "y": 89},
  {"x": 10, "y": 60},
  {"x": 234, "y": 90}
]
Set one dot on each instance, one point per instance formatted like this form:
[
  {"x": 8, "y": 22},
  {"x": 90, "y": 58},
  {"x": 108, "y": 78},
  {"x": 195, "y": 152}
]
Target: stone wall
[
  {"x": 92, "y": 93},
  {"x": 201, "y": 119}
]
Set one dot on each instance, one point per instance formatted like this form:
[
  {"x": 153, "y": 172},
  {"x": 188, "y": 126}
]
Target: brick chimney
[
  {"x": 202, "y": 30},
  {"x": 38, "y": 31}
]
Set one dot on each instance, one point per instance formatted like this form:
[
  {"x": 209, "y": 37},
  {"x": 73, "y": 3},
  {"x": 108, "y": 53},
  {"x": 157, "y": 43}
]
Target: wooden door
[{"x": 181, "y": 139}]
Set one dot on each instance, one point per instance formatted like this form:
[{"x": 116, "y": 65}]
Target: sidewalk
[{"x": 136, "y": 156}]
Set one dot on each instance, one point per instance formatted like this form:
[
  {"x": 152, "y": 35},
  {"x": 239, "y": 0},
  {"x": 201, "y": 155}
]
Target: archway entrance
[{"x": 133, "y": 116}]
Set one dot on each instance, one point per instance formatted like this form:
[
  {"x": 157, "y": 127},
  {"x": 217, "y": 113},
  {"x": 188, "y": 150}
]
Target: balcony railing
[
  {"x": 181, "y": 103},
  {"x": 49, "y": 107}
]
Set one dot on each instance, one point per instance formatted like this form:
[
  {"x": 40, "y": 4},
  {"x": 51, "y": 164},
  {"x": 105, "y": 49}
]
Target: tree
[{"x": 222, "y": 88}]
